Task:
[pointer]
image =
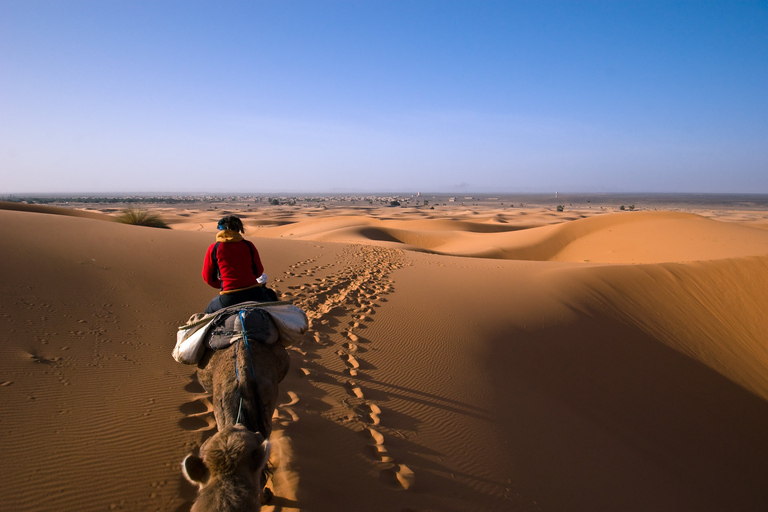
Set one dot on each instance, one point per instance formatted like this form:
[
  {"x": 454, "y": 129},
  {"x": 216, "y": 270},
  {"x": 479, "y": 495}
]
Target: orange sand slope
[
  {"x": 629, "y": 237},
  {"x": 638, "y": 237},
  {"x": 55, "y": 210},
  {"x": 427, "y": 382}
]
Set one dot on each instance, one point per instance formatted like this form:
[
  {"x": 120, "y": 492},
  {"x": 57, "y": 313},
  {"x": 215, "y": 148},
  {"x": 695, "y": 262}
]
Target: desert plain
[{"x": 463, "y": 355}]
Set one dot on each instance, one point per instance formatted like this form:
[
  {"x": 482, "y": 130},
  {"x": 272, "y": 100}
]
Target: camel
[
  {"x": 228, "y": 471},
  {"x": 243, "y": 379}
]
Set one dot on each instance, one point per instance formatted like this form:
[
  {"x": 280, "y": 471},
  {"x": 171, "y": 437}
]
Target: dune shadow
[
  {"x": 378, "y": 235},
  {"x": 597, "y": 405}
]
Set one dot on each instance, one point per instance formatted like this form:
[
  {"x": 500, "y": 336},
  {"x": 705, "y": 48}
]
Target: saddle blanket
[{"x": 259, "y": 322}]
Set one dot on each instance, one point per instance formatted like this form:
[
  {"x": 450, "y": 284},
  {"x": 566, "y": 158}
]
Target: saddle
[
  {"x": 251, "y": 323},
  {"x": 259, "y": 322}
]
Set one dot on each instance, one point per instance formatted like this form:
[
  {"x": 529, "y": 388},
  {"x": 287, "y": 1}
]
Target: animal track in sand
[
  {"x": 376, "y": 436},
  {"x": 355, "y": 389},
  {"x": 375, "y": 414},
  {"x": 285, "y": 416},
  {"x": 284, "y": 413},
  {"x": 197, "y": 407},
  {"x": 351, "y": 361},
  {"x": 294, "y": 399},
  {"x": 198, "y": 413},
  {"x": 204, "y": 423},
  {"x": 339, "y": 300},
  {"x": 404, "y": 476}
]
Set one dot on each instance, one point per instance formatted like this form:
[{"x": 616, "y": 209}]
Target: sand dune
[
  {"x": 54, "y": 210},
  {"x": 632, "y": 237},
  {"x": 581, "y": 362}
]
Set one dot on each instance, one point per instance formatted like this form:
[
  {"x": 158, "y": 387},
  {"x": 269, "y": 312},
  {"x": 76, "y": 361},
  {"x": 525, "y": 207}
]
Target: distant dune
[
  {"x": 461, "y": 359},
  {"x": 55, "y": 210}
]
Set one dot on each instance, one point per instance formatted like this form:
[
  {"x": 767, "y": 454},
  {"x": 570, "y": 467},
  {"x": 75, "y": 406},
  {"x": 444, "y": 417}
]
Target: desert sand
[{"x": 464, "y": 358}]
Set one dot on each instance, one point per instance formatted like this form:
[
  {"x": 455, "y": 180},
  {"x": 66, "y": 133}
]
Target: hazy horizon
[
  {"x": 382, "y": 194},
  {"x": 341, "y": 97}
]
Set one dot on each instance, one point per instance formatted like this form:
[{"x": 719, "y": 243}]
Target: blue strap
[
  {"x": 245, "y": 339},
  {"x": 237, "y": 371}
]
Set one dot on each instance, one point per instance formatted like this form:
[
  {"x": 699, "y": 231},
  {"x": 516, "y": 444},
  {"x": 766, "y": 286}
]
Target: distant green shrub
[
  {"x": 141, "y": 218},
  {"x": 560, "y": 207},
  {"x": 622, "y": 207}
]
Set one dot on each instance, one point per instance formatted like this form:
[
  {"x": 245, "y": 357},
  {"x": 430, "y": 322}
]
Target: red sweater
[{"x": 235, "y": 263}]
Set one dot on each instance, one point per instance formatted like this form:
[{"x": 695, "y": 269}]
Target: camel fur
[
  {"x": 228, "y": 471},
  {"x": 250, "y": 372}
]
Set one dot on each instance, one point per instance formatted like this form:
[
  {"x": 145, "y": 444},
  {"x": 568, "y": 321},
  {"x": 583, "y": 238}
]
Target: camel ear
[
  {"x": 260, "y": 456},
  {"x": 195, "y": 470}
]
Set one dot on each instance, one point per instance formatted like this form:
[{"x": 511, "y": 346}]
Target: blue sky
[{"x": 336, "y": 96}]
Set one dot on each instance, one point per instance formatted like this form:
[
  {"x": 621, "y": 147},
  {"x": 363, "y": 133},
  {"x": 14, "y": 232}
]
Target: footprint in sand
[
  {"x": 378, "y": 438},
  {"x": 285, "y": 415},
  {"x": 197, "y": 407},
  {"x": 355, "y": 389},
  {"x": 380, "y": 453},
  {"x": 351, "y": 297},
  {"x": 284, "y": 412},
  {"x": 202, "y": 423},
  {"x": 399, "y": 476},
  {"x": 351, "y": 361},
  {"x": 194, "y": 386},
  {"x": 294, "y": 399},
  {"x": 374, "y": 413},
  {"x": 198, "y": 415},
  {"x": 405, "y": 476},
  {"x": 379, "y": 450}
]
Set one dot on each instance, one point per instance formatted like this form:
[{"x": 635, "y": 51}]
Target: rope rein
[{"x": 237, "y": 370}]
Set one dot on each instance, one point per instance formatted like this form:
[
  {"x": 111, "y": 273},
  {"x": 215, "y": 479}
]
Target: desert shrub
[
  {"x": 394, "y": 203},
  {"x": 622, "y": 207},
  {"x": 560, "y": 207},
  {"x": 631, "y": 207},
  {"x": 141, "y": 218}
]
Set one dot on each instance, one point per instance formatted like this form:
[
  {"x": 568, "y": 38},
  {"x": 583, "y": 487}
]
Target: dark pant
[{"x": 259, "y": 294}]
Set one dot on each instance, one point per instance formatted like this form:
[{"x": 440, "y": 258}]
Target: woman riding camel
[{"x": 232, "y": 264}]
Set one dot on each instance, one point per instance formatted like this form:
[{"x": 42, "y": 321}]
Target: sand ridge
[
  {"x": 584, "y": 236},
  {"x": 633, "y": 381}
]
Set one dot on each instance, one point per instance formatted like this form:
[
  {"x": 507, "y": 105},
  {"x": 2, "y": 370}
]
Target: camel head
[{"x": 228, "y": 471}]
